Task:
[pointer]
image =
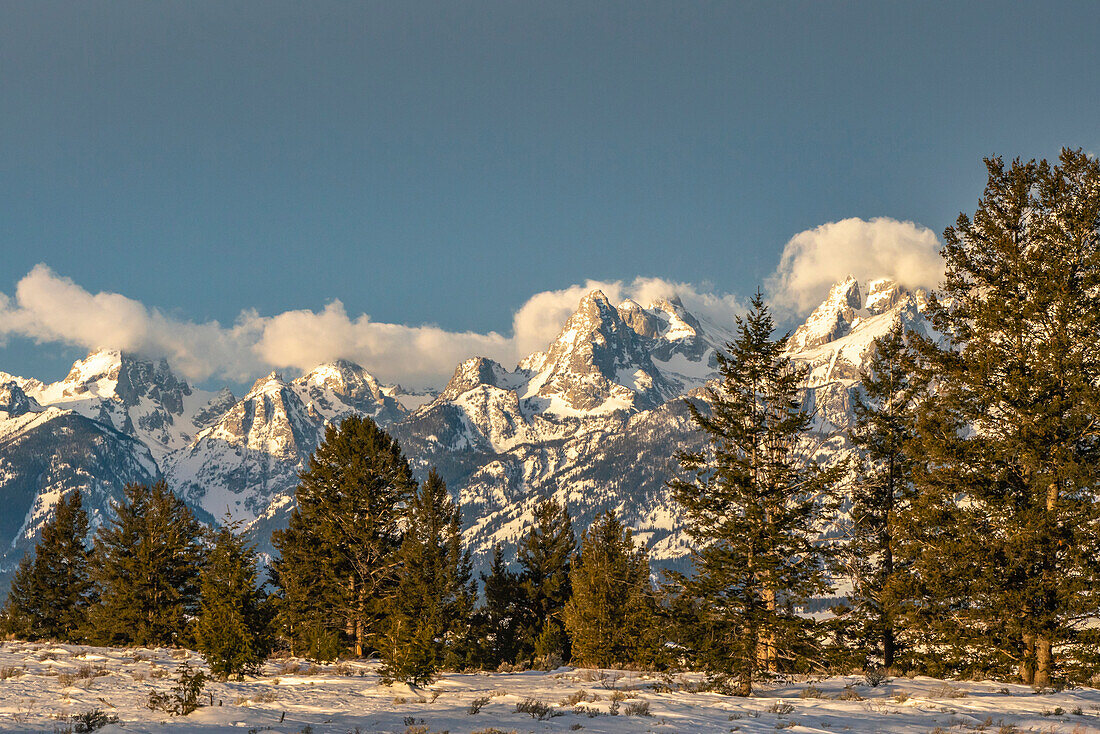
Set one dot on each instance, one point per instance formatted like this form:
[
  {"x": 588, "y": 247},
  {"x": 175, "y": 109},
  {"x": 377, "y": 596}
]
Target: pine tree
[
  {"x": 753, "y": 498},
  {"x": 338, "y": 556},
  {"x": 430, "y": 607},
  {"x": 1014, "y": 444},
  {"x": 145, "y": 566},
  {"x": 50, "y": 591},
  {"x": 233, "y": 629},
  {"x": 879, "y": 549},
  {"x": 545, "y": 557},
  {"x": 499, "y": 617},
  {"x": 611, "y": 615}
]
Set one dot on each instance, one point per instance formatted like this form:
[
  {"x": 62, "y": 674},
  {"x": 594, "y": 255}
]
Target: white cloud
[
  {"x": 48, "y": 307},
  {"x": 817, "y": 258}
]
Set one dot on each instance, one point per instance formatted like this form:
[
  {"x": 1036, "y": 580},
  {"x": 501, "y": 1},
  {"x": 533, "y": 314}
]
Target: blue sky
[{"x": 440, "y": 163}]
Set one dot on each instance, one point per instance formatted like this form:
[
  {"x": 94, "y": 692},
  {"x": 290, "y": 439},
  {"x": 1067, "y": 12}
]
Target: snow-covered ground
[{"x": 43, "y": 685}]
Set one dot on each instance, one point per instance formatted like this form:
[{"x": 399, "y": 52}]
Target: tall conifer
[
  {"x": 338, "y": 555},
  {"x": 880, "y": 547},
  {"x": 145, "y": 566},
  {"x": 50, "y": 592},
  {"x": 1015, "y": 441},
  {"x": 429, "y": 612},
  {"x": 498, "y": 619},
  {"x": 610, "y": 616},
  {"x": 232, "y": 631},
  {"x": 753, "y": 498},
  {"x": 545, "y": 557}
]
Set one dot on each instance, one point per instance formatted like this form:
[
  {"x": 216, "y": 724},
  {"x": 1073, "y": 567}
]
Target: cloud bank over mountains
[
  {"x": 879, "y": 248},
  {"x": 49, "y": 307}
]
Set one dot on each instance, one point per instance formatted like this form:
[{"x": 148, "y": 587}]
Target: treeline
[
  {"x": 371, "y": 564},
  {"x": 965, "y": 533}
]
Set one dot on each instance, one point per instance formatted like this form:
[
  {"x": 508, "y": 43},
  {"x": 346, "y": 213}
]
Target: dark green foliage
[
  {"x": 753, "y": 499},
  {"x": 545, "y": 556},
  {"x": 881, "y": 541},
  {"x": 429, "y": 611},
  {"x": 185, "y": 698},
  {"x": 233, "y": 630},
  {"x": 91, "y": 720},
  {"x": 1013, "y": 441},
  {"x": 611, "y": 615},
  {"x": 498, "y": 619},
  {"x": 338, "y": 556},
  {"x": 146, "y": 565},
  {"x": 51, "y": 591}
]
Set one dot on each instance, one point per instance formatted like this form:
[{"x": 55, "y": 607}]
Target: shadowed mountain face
[{"x": 596, "y": 420}]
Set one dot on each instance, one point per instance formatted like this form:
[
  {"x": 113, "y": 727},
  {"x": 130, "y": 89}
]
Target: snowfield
[{"x": 43, "y": 685}]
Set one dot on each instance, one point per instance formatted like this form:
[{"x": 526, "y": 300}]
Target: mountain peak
[
  {"x": 343, "y": 377},
  {"x": 272, "y": 382},
  {"x": 832, "y": 319},
  {"x": 123, "y": 376}
]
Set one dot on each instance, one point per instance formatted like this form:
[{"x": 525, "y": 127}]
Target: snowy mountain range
[{"x": 595, "y": 419}]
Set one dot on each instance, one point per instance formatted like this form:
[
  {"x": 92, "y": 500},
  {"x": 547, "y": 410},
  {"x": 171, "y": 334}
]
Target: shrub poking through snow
[
  {"x": 579, "y": 697},
  {"x": 535, "y": 708},
  {"x": 184, "y": 698},
  {"x": 92, "y": 720},
  {"x": 637, "y": 708},
  {"x": 477, "y": 703}
]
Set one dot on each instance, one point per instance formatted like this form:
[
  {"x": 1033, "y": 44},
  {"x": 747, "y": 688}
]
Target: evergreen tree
[
  {"x": 429, "y": 611},
  {"x": 499, "y": 618},
  {"x": 145, "y": 566},
  {"x": 611, "y": 615},
  {"x": 338, "y": 556},
  {"x": 545, "y": 556},
  {"x": 880, "y": 549},
  {"x": 232, "y": 631},
  {"x": 753, "y": 498},
  {"x": 1014, "y": 442},
  {"x": 50, "y": 591}
]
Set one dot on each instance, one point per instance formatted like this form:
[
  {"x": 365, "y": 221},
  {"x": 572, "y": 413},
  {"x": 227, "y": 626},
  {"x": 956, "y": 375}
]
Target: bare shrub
[
  {"x": 11, "y": 671},
  {"x": 637, "y": 708},
  {"x": 849, "y": 694},
  {"x": 579, "y": 696},
  {"x": 477, "y": 704},
  {"x": 948, "y": 691},
  {"x": 780, "y": 707},
  {"x": 810, "y": 691},
  {"x": 87, "y": 671},
  {"x": 535, "y": 708}
]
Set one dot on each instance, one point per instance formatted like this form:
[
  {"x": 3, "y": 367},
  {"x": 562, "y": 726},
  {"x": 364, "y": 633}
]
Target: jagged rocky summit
[{"x": 595, "y": 419}]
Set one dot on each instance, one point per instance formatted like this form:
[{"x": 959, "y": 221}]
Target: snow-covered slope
[
  {"x": 595, "y": 419},
  {"x": 138, "y": 397},
  {"x": 48, "y": 683},
  {"x": 48, "y": 452}
]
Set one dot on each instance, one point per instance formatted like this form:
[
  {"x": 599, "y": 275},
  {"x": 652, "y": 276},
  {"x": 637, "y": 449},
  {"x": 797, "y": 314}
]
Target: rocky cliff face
[{"x": 595, "y": 419}]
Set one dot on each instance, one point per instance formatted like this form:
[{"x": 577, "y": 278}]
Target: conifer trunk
[
  {"x": 1027, "y": 664},
  {"x": 1044, "y": 661},
  {"x": 767, "y": 639}
]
